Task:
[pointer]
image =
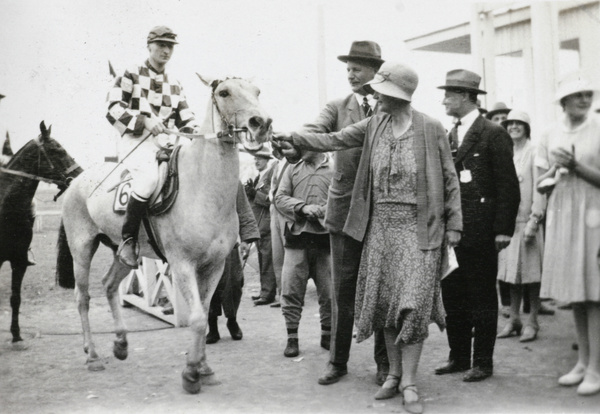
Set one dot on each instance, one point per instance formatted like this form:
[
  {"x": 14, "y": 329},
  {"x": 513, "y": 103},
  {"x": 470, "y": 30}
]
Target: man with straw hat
[{"x": 490, "y": 198}]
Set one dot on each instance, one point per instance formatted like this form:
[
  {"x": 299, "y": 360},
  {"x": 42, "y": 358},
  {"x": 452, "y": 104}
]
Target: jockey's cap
[{"x": 162, "y": 34}]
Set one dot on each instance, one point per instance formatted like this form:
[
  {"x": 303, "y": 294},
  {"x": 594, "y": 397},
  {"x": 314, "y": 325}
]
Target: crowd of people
[{"x": 373, "y": 199}]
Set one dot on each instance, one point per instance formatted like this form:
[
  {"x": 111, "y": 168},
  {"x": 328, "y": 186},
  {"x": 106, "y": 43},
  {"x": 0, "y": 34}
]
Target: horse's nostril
[
  {"x": 255, "y": 122},
  {"x": 268, "y": 123}
]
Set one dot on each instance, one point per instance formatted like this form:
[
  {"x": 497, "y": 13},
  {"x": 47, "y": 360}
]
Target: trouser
[
  {"x": 268, "y": 284},
  {"x": 229, "y": 290},
  {"x": 298, "y": 266},
  {"x": 141, "y": 163},
  {"x": 277, "y": 226},
  {"x": 345, "y": 260},
  {"x": 471, "y": 303}
]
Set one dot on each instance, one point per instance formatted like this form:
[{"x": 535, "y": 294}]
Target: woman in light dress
[
  {"x": 521, "y": 262},
  {"x": 569, "y": 157}
]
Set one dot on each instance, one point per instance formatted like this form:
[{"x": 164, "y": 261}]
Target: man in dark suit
[
  {"x": 490, "y": 198},
  {"x": 362, "y": 63},
  {"x": 257, "y": 191}
]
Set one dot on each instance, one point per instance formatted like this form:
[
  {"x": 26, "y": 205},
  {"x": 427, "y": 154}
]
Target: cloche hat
[
  {"x": 573, "y": 83},
  {"x": 365, "y": 51},
  {"x": 517, "y": 115},
  {"x": 396, "y": 80},
  {"x": 463, "y": 79}
]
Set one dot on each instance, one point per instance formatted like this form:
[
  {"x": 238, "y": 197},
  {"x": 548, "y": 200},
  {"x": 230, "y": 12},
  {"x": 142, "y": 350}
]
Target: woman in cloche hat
[
  {"x": 571, "y": 270},
  {"x": 405, "y": 203},
  {"x": 521, "y": 262}
]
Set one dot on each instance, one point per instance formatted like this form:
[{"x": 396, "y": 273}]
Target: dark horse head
[{"x": 41, "y": 159}]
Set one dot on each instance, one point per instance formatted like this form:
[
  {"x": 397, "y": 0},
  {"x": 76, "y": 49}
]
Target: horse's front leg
[
  {"x": 18, "y": 272},
  {"x": 111, "y": 281},
  {"x": 196, "y": 358}
]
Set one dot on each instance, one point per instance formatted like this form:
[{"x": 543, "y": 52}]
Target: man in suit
[
  {"x": 362, "y": 63},
  {"x": 490, "y": 199},
  {"x": 257, "y": 191}
]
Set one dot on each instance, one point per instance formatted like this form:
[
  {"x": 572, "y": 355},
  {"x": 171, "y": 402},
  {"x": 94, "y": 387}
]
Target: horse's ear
[
  {"x": 205, "y": 80},
  {"x": 45, "y": 132}
]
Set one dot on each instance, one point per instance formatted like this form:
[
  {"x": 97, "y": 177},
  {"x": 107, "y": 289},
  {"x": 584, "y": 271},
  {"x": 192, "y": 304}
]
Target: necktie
[
  {"x": 366, "y": 107},
  {"x": 454, "y": 138}
]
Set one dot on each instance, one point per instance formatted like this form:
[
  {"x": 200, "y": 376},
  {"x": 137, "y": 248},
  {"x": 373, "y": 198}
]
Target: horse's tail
[{"x": 65, "y": 277}]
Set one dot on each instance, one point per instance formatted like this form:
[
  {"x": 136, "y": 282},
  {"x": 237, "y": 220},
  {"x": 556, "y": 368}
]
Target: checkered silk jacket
[{"x": 142, "y": 91}]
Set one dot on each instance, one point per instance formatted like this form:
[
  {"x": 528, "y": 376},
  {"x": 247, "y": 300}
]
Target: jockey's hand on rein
[{"x": 154, "y": 125}]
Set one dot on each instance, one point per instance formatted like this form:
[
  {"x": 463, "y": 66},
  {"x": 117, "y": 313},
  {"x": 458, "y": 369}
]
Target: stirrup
[{"x": 129, "y": 259}]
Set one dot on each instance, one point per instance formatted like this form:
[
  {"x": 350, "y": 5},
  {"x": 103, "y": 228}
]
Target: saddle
[{"x": 166, "y": 190}]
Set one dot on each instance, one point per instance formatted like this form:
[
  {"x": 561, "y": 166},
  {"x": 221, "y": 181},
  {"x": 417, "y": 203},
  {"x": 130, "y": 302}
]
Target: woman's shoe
[
  {"x": 574, "y": 377},
  {"x": 389, "y": 391},
  {"x": 529, "y": 333},
  {"x": 590, "y": 384},
  {"x": 511, "y": 329},
  {"x": 415, "y": 406}
]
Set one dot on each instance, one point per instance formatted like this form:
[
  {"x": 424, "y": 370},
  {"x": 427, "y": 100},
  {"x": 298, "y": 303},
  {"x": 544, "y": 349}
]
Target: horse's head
[
  {"x": 46, "y": 158},
  {"x": 236, "y": 101}
]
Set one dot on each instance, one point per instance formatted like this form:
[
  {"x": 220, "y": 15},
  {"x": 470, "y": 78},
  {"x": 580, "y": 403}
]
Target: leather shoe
[
  {"x": 275, "y": 304},
  {"x": 255, "y": 297},
  {"x": 263, "y": 301},
  {"x": 590, "y": 384},
  {"x": 234, "y": 329},
  {"x": 292, "y": 349},
  {"x": 451, "y": 367},
  {"x": 382, "y": 373},
  {"x": 545, "y": 310},
  {"x": 476, "y": 374},
  {"x": 332, "y": 374},
  {"x": 574, "y": 377},
  {"x": 212, "y": 336}
]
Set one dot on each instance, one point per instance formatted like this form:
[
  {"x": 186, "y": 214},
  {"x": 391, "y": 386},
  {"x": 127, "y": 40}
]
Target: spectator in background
[
  {"x": 569, "y": 157},
  {"x": 257, "y": 191},
  {"x": 302, "y": 198},
  {"x": 520, "y": 264},
  {"x": 498, "y": 113}
]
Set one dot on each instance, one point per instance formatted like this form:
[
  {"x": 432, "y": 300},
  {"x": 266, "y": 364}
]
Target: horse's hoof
[
  {"x": 19, "y": 346},
  {"x": 120, "y": 350},
  {"x": 95, "y": 365},
  {"x": 209, "y": 380},
  {"x": 191, "y": 380}
]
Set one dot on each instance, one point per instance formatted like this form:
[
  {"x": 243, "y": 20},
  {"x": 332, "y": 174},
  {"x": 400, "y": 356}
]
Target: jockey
[{"x": 145, "y": 100}]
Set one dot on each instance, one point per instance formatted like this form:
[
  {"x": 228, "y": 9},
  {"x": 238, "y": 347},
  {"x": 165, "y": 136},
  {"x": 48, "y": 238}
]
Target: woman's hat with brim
[
  {"x": 498, "y": 108},
  {"x": 363, "y": 51},
  {"x": 517, "y": 115},
  {"x": 571, "y": 84},
  {"x": 462, "y": 80},
  {"x": 396, "y": 80}
]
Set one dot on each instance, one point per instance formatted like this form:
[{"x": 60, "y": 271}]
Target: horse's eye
[{"x": 223, "y": 94}]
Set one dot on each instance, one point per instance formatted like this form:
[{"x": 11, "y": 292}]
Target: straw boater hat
[
  {"x": 162, "y": 34},
  {"x": 462, "y": 79},
  {"x": 573, "y": 83},
  {"x": 364, "y": 51},
  {"x": 396, "y": 80},
  {"x": 264, "y": 152},
  {"x": 518, "y": 115},
  {"x": 498, "y": 108}
]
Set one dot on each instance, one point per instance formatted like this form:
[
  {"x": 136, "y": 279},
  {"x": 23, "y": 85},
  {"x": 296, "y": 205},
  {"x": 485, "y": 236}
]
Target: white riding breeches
[{"x": 141, "y": 163}]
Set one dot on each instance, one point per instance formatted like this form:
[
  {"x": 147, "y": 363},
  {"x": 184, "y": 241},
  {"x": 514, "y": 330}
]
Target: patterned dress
[{"x": 398, "y": 284}]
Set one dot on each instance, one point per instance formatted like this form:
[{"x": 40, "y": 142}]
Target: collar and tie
[{"x": 366, "y": 107}]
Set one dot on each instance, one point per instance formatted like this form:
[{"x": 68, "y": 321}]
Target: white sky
[{"x": 55, "y": 55}]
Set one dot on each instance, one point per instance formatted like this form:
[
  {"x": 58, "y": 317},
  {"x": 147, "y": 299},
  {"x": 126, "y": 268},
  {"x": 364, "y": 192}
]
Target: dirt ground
[{"x": 50, "y": 376}]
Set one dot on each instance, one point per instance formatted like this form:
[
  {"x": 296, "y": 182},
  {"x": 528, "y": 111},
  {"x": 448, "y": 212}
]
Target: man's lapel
[
  {"x": 473, "y": 135},
  {"x": 355, "y": 112}
]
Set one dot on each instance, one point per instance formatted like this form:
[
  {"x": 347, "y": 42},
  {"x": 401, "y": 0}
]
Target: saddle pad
[{"x": 164, "y": 195}]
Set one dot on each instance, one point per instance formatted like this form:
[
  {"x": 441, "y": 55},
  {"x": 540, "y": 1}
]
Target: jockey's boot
[{"x": 129, "y": 249}]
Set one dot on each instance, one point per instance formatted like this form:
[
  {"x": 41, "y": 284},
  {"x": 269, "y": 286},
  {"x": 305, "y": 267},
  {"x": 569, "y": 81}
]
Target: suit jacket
[
  {"x": 438, "y": 196},
  {"x": 490, "y": 199},
  {"x": 336, "y": 115},
  {"x": 261, "y": 204}
]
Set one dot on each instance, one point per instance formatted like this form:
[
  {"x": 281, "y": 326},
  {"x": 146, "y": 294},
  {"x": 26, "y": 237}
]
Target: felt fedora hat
[
  {"x": 462, "y": 79},
  {"x": 396, "y": 80},
  {"x": 573, "y": 83},
  {"x": 363, "y": 51},
  {"x": 162, "y": 34},
  {"x": 264, "y": 152},
  {"x": 498, "y": 108}
]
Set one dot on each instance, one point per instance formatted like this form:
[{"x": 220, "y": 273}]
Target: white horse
[{"x": 195, "y": 235}]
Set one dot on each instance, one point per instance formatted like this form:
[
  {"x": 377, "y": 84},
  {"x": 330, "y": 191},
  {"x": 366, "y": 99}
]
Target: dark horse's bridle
[{"x": 62, "y": 183}]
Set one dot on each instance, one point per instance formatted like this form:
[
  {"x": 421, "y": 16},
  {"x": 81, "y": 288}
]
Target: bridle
[{"x": 62, "y": 183}]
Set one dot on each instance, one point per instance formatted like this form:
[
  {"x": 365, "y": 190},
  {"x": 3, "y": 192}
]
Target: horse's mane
[{"x": 21, "y": 154}]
